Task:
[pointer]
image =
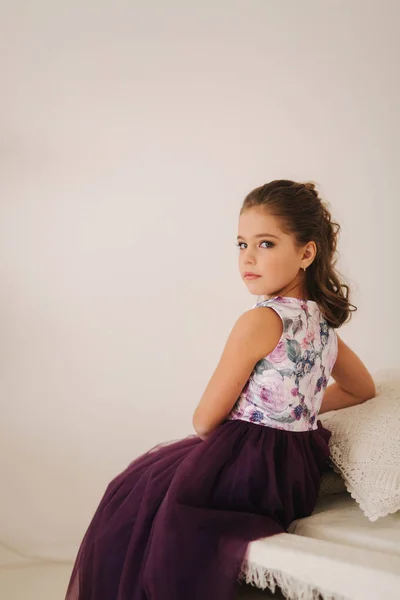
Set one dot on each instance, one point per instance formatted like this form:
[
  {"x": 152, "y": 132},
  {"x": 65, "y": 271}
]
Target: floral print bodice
[{"x": 286, "y": 387}]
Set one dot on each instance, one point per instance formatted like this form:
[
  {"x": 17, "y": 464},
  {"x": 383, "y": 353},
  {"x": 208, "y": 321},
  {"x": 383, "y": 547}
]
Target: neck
[{"x": 290, "y": 292}]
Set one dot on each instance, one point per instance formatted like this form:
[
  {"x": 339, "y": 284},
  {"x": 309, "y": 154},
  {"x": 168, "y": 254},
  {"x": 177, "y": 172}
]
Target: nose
[{"x": 248, "y": 256}]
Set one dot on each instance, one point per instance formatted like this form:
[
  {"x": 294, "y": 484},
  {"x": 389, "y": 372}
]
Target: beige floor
[
  {"x": 49, "y": 582},
  {"x": 34, "y": 582}
]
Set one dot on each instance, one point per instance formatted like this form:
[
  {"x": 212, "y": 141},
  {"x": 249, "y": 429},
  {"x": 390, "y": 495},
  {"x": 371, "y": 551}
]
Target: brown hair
[{"x": 304, "y": 215}]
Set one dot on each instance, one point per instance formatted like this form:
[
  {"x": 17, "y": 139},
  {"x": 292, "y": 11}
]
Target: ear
[{"x": 310, "y": 251}]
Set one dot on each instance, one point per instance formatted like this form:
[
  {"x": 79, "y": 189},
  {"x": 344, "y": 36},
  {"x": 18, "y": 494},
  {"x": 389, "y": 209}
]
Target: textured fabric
[
  {"x": 176, "y": 523},
  {"x": 286, "y": 387},
  {"x": 365, "y": 446}
]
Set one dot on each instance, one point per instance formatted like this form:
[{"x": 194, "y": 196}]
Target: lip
[{"x": 249, "y": 275}]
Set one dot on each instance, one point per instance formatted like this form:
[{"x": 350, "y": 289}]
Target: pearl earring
[{"x": 304, "y": 268}]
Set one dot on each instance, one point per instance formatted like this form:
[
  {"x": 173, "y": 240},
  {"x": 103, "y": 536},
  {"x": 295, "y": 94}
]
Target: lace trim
[
  {"x": 291, "y": 587},
  {"x": 365, "y": 447}
]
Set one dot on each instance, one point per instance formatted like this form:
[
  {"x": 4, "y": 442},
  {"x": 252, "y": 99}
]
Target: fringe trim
[{"x": 291, "y": 587}]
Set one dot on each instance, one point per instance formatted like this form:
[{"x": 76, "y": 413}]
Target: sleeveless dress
[{"x": 176, "y": 523}]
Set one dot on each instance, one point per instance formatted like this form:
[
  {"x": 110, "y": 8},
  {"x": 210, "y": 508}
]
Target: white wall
[{"x": 130, "y": 134}]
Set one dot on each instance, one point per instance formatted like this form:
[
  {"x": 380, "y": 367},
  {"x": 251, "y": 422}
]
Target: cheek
[
  {"x": 270, "y": 258},
  {"x": 276, "y": 263}
]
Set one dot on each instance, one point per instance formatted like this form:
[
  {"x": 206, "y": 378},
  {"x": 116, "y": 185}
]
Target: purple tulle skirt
[{"x": 176, "y": 523}]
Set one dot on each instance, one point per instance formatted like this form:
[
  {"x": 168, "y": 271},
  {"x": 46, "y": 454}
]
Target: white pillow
[{"x": 365, "y": 446}]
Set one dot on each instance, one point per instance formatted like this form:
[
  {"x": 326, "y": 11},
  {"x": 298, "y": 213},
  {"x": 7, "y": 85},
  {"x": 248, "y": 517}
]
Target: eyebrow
[{"x": 260, "y": 235}]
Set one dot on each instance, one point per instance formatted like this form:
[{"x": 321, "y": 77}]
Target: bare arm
[
  {"x": 353, "y": 382},
  {"x": 255, "y": 334}
]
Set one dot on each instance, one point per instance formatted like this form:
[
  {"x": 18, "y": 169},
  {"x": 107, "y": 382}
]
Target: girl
[{"x": 176, "y": 523}]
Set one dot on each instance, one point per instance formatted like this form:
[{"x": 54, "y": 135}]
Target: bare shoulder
[
  {"x": 254, "y": 335},
  {"x": 259, "y": 329}
]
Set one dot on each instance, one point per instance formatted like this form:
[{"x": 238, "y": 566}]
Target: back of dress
[{"x": 286, "y": 387}]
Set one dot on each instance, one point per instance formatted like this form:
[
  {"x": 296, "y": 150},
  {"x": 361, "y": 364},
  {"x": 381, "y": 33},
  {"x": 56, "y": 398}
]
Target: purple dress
[{"x": 176, "y": 523}]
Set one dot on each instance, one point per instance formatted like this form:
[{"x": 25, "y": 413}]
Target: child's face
[{"x": 275, "y": 259}]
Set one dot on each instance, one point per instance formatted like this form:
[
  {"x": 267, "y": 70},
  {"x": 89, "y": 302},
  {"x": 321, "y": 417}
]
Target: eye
[{"x": 240, "y": 244}]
